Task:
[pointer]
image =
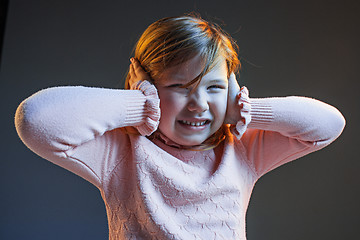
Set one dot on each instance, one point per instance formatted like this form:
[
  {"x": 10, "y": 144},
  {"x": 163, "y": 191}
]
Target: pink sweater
[{"x": 155, "y": 191}]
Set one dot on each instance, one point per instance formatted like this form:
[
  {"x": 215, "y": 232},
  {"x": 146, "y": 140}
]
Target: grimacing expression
[{"x": 191, "y": 115}]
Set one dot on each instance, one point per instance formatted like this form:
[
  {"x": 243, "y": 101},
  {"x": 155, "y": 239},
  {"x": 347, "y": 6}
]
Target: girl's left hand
[{"x": 232, "y": 111}]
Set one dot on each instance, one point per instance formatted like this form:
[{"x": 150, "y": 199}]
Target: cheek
[
  {"x": 167, "y": 102},
  {"x": 220, "y": 105},
  {"x": 170, "y": 107}
]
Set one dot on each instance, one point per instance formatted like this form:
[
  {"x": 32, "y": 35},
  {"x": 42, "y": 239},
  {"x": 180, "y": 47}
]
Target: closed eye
[
  {"x": 175, "y": 85},
  {"x": 216, "y": 87}
]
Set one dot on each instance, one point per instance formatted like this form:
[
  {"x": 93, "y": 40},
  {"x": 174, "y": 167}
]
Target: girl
[{"x": 188, "y": 174}]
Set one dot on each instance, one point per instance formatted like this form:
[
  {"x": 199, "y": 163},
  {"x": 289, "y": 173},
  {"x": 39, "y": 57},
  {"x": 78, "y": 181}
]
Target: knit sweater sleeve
[
  {"x": 70, "y": 126},
  {"x": 286, "y": 128}
]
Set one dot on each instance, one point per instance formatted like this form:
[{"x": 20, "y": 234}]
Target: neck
[{"x": 210, "y": 143}]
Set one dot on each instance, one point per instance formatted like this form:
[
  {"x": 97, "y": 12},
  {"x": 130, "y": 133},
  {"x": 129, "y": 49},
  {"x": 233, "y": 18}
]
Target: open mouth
[{"x": 194, "y": 124}]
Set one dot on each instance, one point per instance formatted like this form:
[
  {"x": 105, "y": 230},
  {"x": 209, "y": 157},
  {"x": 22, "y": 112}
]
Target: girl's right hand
[
  {"x": 137, "y": 73},
  {"x": 140, "y": 80}
]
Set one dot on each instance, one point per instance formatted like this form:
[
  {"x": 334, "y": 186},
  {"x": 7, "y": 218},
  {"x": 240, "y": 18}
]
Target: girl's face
[{"x": 189, "y": 116}]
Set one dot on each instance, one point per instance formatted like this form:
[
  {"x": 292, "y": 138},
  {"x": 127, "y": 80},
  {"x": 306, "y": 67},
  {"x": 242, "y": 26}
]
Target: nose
[{"x": 198, "y": 102}]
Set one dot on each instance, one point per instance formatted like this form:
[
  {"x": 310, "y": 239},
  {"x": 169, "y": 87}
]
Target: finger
[
  {"x": 233, "y": 84},
  {"x": 139, "y": 70},
  {"x": 233, "y": 88},
  {"x": 132, "y": 71},
  {"x": 133, "y": 67},
  {"x": 136, "y": 65}
]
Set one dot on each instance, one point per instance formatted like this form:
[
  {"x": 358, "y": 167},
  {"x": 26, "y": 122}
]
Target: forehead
[{"x": 189, "y": 70}]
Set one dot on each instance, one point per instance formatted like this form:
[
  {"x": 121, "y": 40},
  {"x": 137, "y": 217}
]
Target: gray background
[{"x": 308, "y": 48}]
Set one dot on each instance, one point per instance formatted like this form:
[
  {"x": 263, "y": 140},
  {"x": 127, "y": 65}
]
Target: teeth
[{"x": 197, "y": 124}]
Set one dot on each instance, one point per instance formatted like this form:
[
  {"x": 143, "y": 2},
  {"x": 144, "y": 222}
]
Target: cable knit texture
[{"x": 152, "y": 190}]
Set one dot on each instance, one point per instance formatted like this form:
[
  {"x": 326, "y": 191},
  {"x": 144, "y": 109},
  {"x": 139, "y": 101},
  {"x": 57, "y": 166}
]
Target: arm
[
  {"x": 56, "y": 122},
  {"x": 287, "y": 128},
  {"x": 284, "y": 128}
]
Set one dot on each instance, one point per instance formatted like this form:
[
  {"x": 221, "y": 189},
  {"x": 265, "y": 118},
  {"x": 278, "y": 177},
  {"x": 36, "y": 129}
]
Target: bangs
[
  {"x": 217, "y": 46},
  {"x": 210, "y": 58}
]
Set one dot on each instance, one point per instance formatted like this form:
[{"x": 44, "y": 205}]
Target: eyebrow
[
  {"x": 218, "y": 81},
  {"x": 215, "y": 80}
]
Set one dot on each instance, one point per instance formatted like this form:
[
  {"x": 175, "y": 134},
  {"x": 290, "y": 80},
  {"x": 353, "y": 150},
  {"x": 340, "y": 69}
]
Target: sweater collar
[{"x": 213, "y": 141}]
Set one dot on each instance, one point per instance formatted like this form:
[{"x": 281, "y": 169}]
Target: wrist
[
  {"x": 151, "y": 111},
  {"x": 261, "y": 113}
]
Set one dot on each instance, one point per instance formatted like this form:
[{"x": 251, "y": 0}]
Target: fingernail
[
  {"x": 132, "y": 59},
  {"x": 238, "y": 95}
]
